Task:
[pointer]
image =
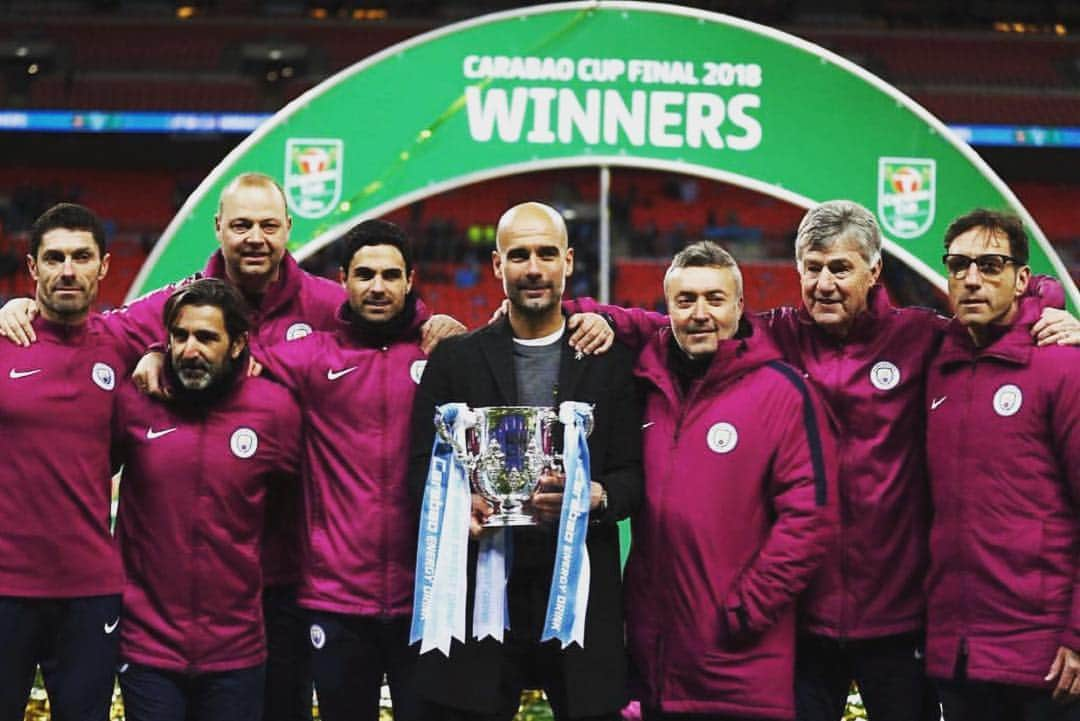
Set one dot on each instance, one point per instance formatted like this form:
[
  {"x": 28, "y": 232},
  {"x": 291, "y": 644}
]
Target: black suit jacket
[{"x": 477, "y": 369}]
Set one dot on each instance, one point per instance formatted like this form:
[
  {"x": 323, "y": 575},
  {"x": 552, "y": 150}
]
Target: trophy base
[{"x": 509, "y": 518}]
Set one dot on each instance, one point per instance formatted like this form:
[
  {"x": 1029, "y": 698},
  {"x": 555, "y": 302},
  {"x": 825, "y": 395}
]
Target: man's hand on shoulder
[
  {"x": 1056, "y": 327},
  {"x": 590, "y": 333},
  {"x": 436, "y": 329},
  {"x": 149, "y": 375},
  {"x": 1066, "y": 669},
  {"x": 15, "y": 319},
  {"x": 502, "y": 310}
]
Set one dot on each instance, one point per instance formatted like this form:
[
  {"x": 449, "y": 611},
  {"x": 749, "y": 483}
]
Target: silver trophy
[{"x": 507, "y": 449}]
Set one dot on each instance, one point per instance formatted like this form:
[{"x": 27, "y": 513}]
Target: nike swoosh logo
[
  {"x": 152, "y": 434},
  {"x": 332, "y": 375},
  {"x": 937, "y": 402},
  {"x": 646, "y": 425},
  {"x": 110, "y": 627},
  {"x": 15, "y": 375}
]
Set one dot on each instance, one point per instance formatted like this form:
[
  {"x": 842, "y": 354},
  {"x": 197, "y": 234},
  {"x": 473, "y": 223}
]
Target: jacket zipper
[
  {"x": 968, "y": 400},
  {"x": 195, "y": 535},
  {"x": 844, "y": 512},
  {"x": 383, "y": 505}
]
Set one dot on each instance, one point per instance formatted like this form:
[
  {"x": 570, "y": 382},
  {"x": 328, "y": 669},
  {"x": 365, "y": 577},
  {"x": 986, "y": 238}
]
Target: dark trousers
[
  {"x": 648, "y": 714},
  {"x": 288, "y": 664},
  {"x": 527, "y": 663},
  {"x": 349, "y": 658},
  {"x": 965, "y": 700},
  {"x": 889, "y": 671},
  {"x": 154, "y": 695},
  {"x": 74, "y": 640}
]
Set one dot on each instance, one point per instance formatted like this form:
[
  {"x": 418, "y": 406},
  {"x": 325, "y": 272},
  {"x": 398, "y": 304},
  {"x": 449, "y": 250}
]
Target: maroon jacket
[
  {"x": 874, "y": 384},
  {"x": 192, "y": 508},
  {"x": 360, "y": 549},
  {"x": 739, "y": 510},
  {"x": 296, "y": 304},
  {"x": 1004, "y": 451},
  {"x": 870, "y": 583},
  {"x": 57, "y": 401}
]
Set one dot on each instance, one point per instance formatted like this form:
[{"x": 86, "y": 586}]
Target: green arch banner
[{"x": 605, "y": 83}]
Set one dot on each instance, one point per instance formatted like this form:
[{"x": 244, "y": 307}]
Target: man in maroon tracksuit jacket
[
  {"x": 1003, "y": 438},
  {"x": 862, "y": 616},
  {"x": 360, "y": 530},
  {"x": 60, "y": 575},
  {"x": 252, "y": 226},
  {"x": 197, "y": 468},
  {"x": 740, "y": 505}
]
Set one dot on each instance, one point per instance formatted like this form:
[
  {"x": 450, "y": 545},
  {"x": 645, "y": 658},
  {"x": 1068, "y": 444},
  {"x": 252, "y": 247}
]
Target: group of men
[{"x": 844, "y": 491}]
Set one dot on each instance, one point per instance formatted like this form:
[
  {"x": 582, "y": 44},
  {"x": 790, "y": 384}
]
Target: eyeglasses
[{"x": 988, "y": 265}]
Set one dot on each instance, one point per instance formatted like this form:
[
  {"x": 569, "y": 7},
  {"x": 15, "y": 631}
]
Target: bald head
[
  {"x": 531, "y": 219},
  {"x": 246, "y": 181},
  {"x": 533, "y": 261},
  {"x": 252, "y": 226}
]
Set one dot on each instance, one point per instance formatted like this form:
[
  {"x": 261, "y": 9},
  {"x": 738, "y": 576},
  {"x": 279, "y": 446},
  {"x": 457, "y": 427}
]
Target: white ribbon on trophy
[
  {"x": 568, "y": 599},
  {"x": 439, "y": 594},
  {"x": 490, "y": 613}
]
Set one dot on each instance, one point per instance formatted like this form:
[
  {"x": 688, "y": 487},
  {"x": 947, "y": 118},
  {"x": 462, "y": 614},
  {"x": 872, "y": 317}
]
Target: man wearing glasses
[
  {"x": 1003, "y": 445},
  {"x": 862, "y": 617}
]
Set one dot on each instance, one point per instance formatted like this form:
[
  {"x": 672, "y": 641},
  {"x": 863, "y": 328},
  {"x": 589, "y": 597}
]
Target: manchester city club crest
[
  {"x": 313, "y": 169},
  {"x": 318, "y": 636},
  {"x": 104, "y": 376},
  {"x": 416, "y": 371},
  {"x": 296, "y": 331},
  {"x": 1007, "y": 400},
  {"x": 907, "y": 188},
  {"x": 884, "y": 375},
  {"x": 244, "y": 443},
  {"x": 722, "y": 438}
]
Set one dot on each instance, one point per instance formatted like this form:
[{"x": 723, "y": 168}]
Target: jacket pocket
[{"x": 1014, "y": 568}]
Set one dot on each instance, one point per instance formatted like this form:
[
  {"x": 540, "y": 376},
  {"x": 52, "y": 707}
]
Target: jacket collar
[
  {"x": 278, "y": 294},
  {"x": 862, "y": 328},
  {"x": 1011, "y": 343},
  {"x": 62, "y": 332},
  {"x": 351, "y": 331},
  {"x": 750, "y": 349}
]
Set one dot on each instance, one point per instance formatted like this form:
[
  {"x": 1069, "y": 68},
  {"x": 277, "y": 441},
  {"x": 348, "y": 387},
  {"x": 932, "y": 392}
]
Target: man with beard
[
  {"x": 60, "y": 574},
  {"x": 1003, "y": 437},
  {"x": 252, "y": 227},
  {"x": 196, "y": 469},
  {"x": 360, "y": 534},
  {"x": 525, "y": 359}
]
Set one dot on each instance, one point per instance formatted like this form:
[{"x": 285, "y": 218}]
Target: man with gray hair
[
  {"x": 740, "y": 490},
  {"x": 862, "y": 617}
]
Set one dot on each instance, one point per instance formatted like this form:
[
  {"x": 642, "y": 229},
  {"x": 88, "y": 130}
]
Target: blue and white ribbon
[
  {"x": 568, "y": 599},
  {"x": 442, "y": 550},
  {"x": 491, "y": 615}
]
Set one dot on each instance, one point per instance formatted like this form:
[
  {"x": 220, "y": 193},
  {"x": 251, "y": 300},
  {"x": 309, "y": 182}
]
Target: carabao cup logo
[
  {"x": 313, "y": 168},
  {"x": 907, "y": 190}
]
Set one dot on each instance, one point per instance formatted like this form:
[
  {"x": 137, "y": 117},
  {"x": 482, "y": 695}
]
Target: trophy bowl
[
  {"x": 507, "y": 449},
  {"x": 510, "y": 448}
]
